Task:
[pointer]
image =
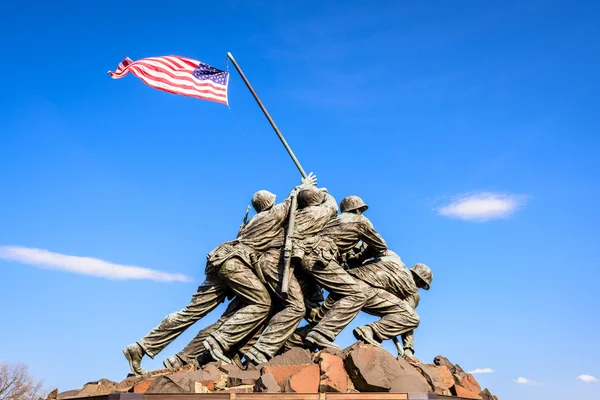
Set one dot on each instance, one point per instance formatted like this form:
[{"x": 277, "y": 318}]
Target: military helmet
[
  {"x": 311, "y": 196},
  {"x": 262, "y": 200},
  {"x": 423, "y": 272},
  {"x": 351, "y": 203}
]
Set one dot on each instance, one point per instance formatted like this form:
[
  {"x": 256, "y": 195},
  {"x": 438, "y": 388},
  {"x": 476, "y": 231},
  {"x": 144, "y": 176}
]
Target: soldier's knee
[
  {"x": 360, "y": 297},
  {"x": 298, "y": 308},
  {"x": 265, "y": 303}
]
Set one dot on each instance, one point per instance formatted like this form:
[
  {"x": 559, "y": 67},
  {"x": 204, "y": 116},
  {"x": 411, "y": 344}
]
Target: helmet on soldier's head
[
  {"x": 352, "y": 203},
  {"x": 262, "y": 200},
  {"x": 424, "y": 273},
  {"x": 311, "y": 196}
]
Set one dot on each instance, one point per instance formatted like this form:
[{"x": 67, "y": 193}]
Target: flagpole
[{"x": 264, "y": 110}]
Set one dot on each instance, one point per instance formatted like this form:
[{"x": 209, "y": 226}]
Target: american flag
[{"x": 179, "y": 75}]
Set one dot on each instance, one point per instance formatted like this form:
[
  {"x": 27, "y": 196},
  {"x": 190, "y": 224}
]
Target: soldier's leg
[
  {"x": 320, "y": 312},
  {"x": 195, "y": 348},
  {"x": 298, "y": 339},
  {"x": 337, "y": 281},
  {"x": 257, "y": 303},
  {"x": 283, "y": 324},
  {"x": 397, "y": 316},
  {"x": 311, "y": 290},
  {"x": 209, "y": 295}
]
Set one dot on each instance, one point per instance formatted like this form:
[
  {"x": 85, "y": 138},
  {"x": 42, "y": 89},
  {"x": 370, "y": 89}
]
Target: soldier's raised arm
[{"x": 282, "y": 209}]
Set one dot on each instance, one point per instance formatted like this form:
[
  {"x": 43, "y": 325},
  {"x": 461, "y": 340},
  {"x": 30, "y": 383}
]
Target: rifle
[
  {"x": 287, "y": 248},
  {"x": 245, "y": 220}
]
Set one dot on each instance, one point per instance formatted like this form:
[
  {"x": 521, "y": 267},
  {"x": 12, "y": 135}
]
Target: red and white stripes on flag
[{"x": 179, "y": 75}]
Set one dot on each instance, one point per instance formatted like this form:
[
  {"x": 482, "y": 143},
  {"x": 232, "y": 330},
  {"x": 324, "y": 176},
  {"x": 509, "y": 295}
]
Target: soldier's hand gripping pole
[{"x": 287, "y": 247}]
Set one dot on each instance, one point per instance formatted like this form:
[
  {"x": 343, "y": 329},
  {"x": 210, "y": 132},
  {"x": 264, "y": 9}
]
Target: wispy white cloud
[
  {"x": 525, "y": 381},
  {"x": 84, "y": 265},
  {"x": 482, "y": 371},
  {"x": 483, "y": 206},
  {"x": 587, "y": 378}
]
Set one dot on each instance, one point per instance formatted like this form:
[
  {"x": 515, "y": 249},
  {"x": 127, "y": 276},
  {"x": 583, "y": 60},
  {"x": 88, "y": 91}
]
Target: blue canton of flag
[{"x": 207, "y": 72}]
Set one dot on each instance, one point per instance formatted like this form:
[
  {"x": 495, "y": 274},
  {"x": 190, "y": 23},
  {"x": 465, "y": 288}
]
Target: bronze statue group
[{"x": 274, "y": 273}]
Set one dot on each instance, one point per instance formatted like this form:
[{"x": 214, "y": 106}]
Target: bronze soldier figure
[
  {"x": 392, "y": 293},
  {"x": 228, "y": 269},
  {"x": 315, "y": 209},
  {"x": 321, "y": 259}
]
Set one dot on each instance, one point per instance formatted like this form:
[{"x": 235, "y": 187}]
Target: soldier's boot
[
  {"x": 215, "y": 349},
  {"x": 255, "y": 356},
  {"x": 173, "y": 362},
  {"x": 204, "y": 359},
  {"x": 320, "y": 341},
  {"x": 134, "y": 353},
  {"x": 365, "y": 333},
  {"x": 237, "y": 361}
]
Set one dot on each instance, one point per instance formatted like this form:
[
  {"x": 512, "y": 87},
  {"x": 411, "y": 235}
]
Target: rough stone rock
[
  {"x": 143, "y": 387},
  {"x": 329, "y": 350},
  {"x": 350, "y": 348},
  {"x": 205, "y": 377},
  {"x": 200, "y": 388},
  {"x": 210, "y": 372},
  {"x": 304, "y": 381},
  {"x": 351, "y": 388},
  {"x": 174, "y": 383},
  {"x": 467, "y": 381},
  {"x": 53, "y": 395},
  {"x": 267, "y": 384},
  {"x": 411, "y": 381},
  {"x": 295, "y": 356},
  {"x": 373, "y": 369},
  {"x": 239, "y": 377},
  {"x": 486, "y": 395},
  {"x": 458, "y": 369},
  {"x": 471, "y": 383},
  {"x": 333, "y": 375},
  {"x": 440, "y": 378},
  {"x": 128, "y": 383},
  {"x": 466, "y": 393},
  {"x": 227, "y": 368},
  {"x": 68, "y": 393},
  {"x": 240, "y": 389},
  {"x": 282, "y": 372},
  {"x": 443, "y": 361},
  {"x": 98, "y": 388}
]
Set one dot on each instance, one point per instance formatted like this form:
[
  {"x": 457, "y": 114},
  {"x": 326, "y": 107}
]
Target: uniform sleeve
[
  {"x": 372, "y": 238},
  {"x": 324, "y": 212},
  {"x": 281, "y": 211}
]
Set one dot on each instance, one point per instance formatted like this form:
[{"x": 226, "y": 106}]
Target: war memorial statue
[
  {"x": 342, "y": 253},
  {"x": 274, "y": 274}
]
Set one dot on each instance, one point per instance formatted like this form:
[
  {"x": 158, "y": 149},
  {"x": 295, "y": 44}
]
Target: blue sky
[{"x": 468, "y": 127}]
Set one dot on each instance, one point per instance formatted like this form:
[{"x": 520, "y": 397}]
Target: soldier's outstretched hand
[{"x": 311, "y": 179}]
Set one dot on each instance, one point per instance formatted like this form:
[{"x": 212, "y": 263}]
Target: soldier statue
[
  {"x": 229, "y": 268},
  {"x": 319, "y": 256}
]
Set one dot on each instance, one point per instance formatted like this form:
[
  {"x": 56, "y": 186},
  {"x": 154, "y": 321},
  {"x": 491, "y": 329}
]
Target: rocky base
[{"x": 359, "y": 368}]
